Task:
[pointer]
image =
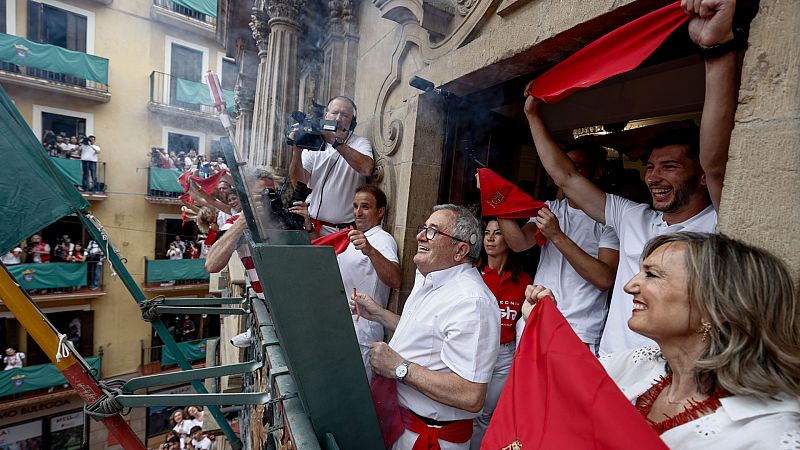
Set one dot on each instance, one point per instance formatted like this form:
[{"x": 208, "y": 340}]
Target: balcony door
[
  {"x": 50, "y": 25},
  {"x": 64, "y": 125},
  {"x": 186, "y": 64}
]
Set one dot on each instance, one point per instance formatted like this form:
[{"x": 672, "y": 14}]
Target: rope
[
  {"x": 148, "y": 308},
  {"x": 62, "y": 349},
  {"x": 107, "y": 405}
]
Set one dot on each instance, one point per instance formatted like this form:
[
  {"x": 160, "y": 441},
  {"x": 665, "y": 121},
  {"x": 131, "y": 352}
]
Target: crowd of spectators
[
  {"x": 187, "y": 430},
  {"x": 37, "y": 251},
  {"x": 183, "y": 161},
  {"x": 61, "y": 145},
  {"x": 84, "y": 149}
]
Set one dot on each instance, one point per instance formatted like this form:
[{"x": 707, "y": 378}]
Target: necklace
[{"x": 644, "y": 404}]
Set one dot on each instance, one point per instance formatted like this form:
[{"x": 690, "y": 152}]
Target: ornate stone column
[
  {"x": 244, "y": 96},
  {"x": 340, "y": 49},
  {"x": 259, "y": 24},
  {"x": 277, "y": 84}
]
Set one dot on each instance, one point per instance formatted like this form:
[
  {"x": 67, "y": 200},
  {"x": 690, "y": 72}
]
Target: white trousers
[{"x": 501, "y": 368}]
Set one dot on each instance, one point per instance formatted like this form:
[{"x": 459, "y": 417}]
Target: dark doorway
[
  {"x": 167, "y": 229},
  {"x": 64, "y": 125},
  {"x": 177, "y": 143},
  {"x": 79, "y": 328}
]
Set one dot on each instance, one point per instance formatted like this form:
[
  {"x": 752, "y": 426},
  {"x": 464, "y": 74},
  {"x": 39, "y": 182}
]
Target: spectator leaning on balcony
[
  {"x": 49, "y": 143},
  {"x": 89, "y": 152},
  {"x": 78, "y": 254},
  {"x": 39, "y": 250},
  {"x": 14, "y": 256},
  {"x": 13, "y": 359},
  {"x": 74, "y": 148}
]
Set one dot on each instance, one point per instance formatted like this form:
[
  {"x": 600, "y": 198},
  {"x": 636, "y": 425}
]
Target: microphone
[{"x": 426, "y": 86}]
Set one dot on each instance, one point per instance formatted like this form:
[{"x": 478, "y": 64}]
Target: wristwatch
[
  {"x": 401, "y": 371},
  {"x": 337, "y": 142}
]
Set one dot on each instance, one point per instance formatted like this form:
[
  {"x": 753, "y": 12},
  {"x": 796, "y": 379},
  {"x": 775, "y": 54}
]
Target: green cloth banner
[
  {"x": 165, "y": 180},
  {"x": 40, "y": 197},
  {"x": 197, "y": 93},
  {"x": 71, "y": 168},
  {"x": 175, "y": 269},
  {"x": 40, "y": 376},
  {"x": 57, "y": 59},
  {"x": 49, "y": 275},
  {"x": 207, "y": 7},
  {"x": 192, "y": 350}
]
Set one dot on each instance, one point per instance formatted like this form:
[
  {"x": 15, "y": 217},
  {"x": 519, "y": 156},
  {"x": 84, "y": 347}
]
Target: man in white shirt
[
  {"x": 334, "y": 173},
  {"x": 13, "y": 257},
  {"x": 684, "y": 175},
  {"x": 446, "y": 342},
  {"x": 369, "y": 265},
  {"x": 579, "y": 260},
  {"x": 89, "y": 152},
  {"x": 13, "y": 359}
]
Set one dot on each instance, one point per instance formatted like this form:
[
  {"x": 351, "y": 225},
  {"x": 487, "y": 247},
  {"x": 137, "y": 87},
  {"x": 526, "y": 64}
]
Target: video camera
[
  {"x": 271, "y": 198},
  {"x": 308, "y": 128},
  {"x": 85, "y": 140}
]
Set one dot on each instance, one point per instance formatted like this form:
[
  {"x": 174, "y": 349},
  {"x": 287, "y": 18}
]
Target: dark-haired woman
[{"x": 502, "y": 272}]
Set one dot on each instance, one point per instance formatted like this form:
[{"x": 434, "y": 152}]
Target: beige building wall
[{"x": 126, "y": 130}]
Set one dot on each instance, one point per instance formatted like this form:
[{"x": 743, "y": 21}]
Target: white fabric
[
  {"x": 222, "y": 217},
  {"x": 42, "y": 246},
  {"x": 635, "y": 224},
  {"x": 89, "y": 152},
  {"x": 14, "y": 361},
  {"x": 409, "y": 438},
  {"x": 358, "y": 273},
  {"x": 340, "y": 181},
  {"x": 742, "y": 422},
  {"x": 501, "y": 369},
  {"x": 583, "y": 305},
  {"x": 243, "y": 250},
  {"x": 12, "y": 257},
  {"x": 450, "y": 323},
  {"x": 184, "y": 428},
  {"x": 204, "y": 444}
]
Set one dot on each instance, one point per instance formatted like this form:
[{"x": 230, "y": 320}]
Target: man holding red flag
[
  {"x": 684, "y": 172},
  {"x": 445, "y": 344}
]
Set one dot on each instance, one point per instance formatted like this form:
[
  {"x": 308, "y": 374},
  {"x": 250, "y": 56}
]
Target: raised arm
[
  {"x": 296, "y": 170},
  {"x": 447, "y": 388},
  {"x": 711, "y": 24},
  {"x": 518, "y": 239},
  {"x": 576, "y": 187},
  {"x": 220, "y": 253},
  {"x": 361, "y": 163}
]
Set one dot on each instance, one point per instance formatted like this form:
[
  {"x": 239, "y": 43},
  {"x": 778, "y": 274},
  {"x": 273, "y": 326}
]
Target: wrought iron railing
[{"x": 184, "y": 11}]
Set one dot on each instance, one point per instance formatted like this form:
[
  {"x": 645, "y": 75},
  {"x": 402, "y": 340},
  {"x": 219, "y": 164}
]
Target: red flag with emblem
[
  {"x": 502, "y": 199},
  {"x": 559, "y": 396}
]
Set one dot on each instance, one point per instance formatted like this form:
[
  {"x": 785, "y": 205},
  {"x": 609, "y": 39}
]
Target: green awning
[
  {"x": 40, "y": 376},
  {"x": 165, "y": 180},
  {"x": 207, "y": 7},
  {"x": 175, "y": 269},
  {"x": 49, "y": 275},
  {"x": 40, "y": 197},
  {"x": 17, "y": 50},
  {"x": 192, "y": 350},
  {"x": 71, "y": 168},
  {"x": 196, "y": 93}
]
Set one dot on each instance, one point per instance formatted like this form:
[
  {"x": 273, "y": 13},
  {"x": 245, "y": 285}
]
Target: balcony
[
  {"x": 196, "y": 16},
  {"x": 156, "y": 359},
  {"x": 58, "y": 281},
  {"x": 185, "y": 99},
  {"x": 71, "y": 168},
  {"x": 53, "y": 68},
  {"x": 42, "y": 378},
  {"x": 167, "y": 276},
  {"x": 163, "y": 186}
]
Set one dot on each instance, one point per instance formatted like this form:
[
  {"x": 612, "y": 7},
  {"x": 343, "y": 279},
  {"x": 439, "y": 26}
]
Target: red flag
[
  {"x": 502, "y": 199},
  {"x": 339, "y": 240},
  {"x": 559, "y": 396},
  {"x": 618, "y": 51},
  {"x": 206, "y": 184},
  {"x": 387, "y": 408}
]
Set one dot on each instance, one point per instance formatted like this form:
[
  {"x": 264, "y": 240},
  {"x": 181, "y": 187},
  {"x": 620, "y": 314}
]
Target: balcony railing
[
  {"x": 154, "y": 359},
  {"x": 191, "y": 96},
  {"x": 174, "y": 272},
  {"x": 57, "y": 278},
  {"x": 201, "y": 10},
  {"x": 71, "y": 168},
  {"x": 163, "y": 183},
  {"x": 53, "y": 64},
  {"x": 41, "y": 376}
]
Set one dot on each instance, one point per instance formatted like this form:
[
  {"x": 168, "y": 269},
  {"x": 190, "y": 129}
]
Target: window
[
  {"x": 64, "y": 125},
  {"x": 3, "y": 18},
  {"x": 177, "y": 142},
  {"x": 185, "y": 64},
  {"x": 229, "y": 71},
  {"x": 51, "y": 25}
]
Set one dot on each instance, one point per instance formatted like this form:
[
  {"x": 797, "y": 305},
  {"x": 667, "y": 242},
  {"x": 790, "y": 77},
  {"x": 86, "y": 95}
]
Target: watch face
[{"x": 401, "y": 371}]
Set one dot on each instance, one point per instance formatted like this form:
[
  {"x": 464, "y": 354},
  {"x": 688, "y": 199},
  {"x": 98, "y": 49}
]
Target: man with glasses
[{"x": 446, "y": 341}]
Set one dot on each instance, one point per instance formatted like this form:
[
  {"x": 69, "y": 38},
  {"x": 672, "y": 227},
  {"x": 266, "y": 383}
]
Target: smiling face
[
  {"x": 493, "y": 241},
  {"x": 177, "y": 416},
  {"x": 662, "y": 309},
  {"x": 440, "y": 252},
  {"x": 674, "y": 178},
  {"x": 366, "y": 212}
]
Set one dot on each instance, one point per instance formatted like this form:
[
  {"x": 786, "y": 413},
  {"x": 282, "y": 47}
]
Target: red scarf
[
  {"x": 339, "y": 240},
  {"x": 458, "y": 431},
  {"x": 502, "y": 199}
]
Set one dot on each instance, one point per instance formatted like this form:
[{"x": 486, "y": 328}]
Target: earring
[{"x": 704, "y": 331}]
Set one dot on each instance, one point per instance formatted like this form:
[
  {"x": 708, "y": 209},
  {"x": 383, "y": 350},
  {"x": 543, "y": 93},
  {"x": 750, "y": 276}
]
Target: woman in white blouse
[{"x": 726, "y": 373}]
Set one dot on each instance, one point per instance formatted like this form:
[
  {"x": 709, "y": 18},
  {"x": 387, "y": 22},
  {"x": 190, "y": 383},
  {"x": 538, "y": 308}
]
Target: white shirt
[
  {"x": 451, "y": 324},
  {"x": 183, "y": 429},
  {"x": 14, "y": 361},
  {"x": 12, "y": 257},
  {"x": 204, "y": 444},
  {"x": 329, "y": 168},
  {"x": 583, "y": 305},
  {"x": 742, "y": 422},
  {"x": 358, "y": 273},
  {"x": 89, "y": 152},
  {"x": 635, "y": 224}
]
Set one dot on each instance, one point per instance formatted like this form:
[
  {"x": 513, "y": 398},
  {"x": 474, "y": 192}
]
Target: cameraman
[
  {"x": 89, "y": 152},
  {"x": 334, "y": 173}
]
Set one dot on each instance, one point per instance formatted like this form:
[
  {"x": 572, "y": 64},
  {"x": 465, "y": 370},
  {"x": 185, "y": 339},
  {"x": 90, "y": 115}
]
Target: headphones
[{"x": 353, "y": 122}]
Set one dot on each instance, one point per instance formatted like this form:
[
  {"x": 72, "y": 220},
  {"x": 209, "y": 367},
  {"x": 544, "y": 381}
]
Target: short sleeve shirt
[
  {"x": 333, "y": 181},
  {"x": 451, "y": 324},
  {"x": 635, "y": 224}
]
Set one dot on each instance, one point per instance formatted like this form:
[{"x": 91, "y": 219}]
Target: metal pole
[{"x": 37, "y": 326}]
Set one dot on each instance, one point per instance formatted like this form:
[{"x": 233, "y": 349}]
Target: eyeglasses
[{"x": 431, "y": 232}]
